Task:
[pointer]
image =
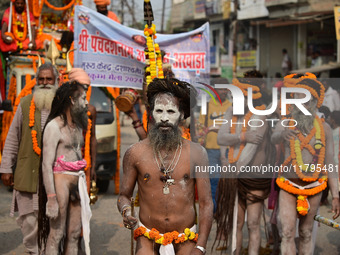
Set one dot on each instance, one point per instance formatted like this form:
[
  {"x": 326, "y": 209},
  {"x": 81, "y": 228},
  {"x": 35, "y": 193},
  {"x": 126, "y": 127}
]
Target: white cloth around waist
[
  {"x": 169, "y": 248},
  {"x": 86, "y": 213}
]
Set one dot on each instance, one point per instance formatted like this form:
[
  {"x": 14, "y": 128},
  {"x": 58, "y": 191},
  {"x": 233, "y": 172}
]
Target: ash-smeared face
[
  {"x": 166, "y": 111},
  {"x": 79, "y": 111}
]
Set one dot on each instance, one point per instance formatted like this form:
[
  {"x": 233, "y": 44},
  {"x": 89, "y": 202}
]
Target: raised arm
[
  {"x": 127, "y": 187},
  {"x": 51, "y": 139},
  {"x": 204, "y": 198},
  {"x": 250, "y": 149},
  {"x": 224, "y": 138}
]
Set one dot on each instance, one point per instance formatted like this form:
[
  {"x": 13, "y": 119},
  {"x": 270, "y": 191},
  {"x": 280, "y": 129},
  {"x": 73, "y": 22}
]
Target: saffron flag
[{"x": 113, "y": 54}]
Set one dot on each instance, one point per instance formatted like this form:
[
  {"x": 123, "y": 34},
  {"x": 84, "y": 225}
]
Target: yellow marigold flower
[
  {"x": 146, "y": 234},
  {"x": 301, "y": 197},
  {"x": 187, "y": 232},
  {"x": 192, "y": 235},
  {"x": 160, "y": 240}
]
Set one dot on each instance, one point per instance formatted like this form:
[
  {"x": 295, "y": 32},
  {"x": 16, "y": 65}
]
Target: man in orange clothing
[
  {"x": 18, "y": 37},
  {"x": 102, "y": 8}
]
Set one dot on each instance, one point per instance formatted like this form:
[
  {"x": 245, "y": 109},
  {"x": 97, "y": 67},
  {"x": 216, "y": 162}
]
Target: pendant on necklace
[
  {"x": 166, "y": 190},
  {"x": 170, "y": 181}
]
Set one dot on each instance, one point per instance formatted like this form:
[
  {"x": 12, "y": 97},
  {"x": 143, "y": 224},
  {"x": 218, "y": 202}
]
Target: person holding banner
[
  {"x": 101, "y": 6},
  {"x": 166, "y": 178},
  {"x": 17, "y": 30}
]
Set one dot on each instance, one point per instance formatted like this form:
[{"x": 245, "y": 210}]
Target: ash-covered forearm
[
  {"x": 334, "y": 186},
  {"x": 123, "y": 203},
  {"x": 50, "y": 143},
  {"x": 11, "y": 148},
  {"x": 205, "y": 221}
]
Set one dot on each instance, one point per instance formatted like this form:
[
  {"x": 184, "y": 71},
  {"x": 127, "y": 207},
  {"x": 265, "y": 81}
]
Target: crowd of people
[
  {"x": 43, "y": 159},
  {"x": 44, "y": 146}
]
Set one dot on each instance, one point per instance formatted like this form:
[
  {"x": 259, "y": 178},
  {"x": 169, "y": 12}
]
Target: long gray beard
[
  {"x": 79, "y": 116},
  {"x": 164, "y": 140},
  {"x": 43, "y": 97},
  {"x": 304, "y": 122}
]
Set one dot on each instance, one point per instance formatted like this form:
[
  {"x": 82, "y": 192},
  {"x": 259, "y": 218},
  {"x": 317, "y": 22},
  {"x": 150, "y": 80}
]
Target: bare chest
[{"x": 71, "y": 143}]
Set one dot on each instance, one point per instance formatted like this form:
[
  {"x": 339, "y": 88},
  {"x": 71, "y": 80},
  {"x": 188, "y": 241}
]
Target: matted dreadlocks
[{"x": 61, "y": 102}]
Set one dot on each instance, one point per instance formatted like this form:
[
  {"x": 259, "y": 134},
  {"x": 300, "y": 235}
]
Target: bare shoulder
[
  {"x": 197, "y": 152},
  {"x": 54, "y": 125},
  {"x": 137, "y": 148}
]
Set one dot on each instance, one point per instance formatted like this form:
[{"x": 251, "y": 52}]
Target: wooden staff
[
  {"x": 328, "y": 222},
  {"x": 132, "y": 214}
]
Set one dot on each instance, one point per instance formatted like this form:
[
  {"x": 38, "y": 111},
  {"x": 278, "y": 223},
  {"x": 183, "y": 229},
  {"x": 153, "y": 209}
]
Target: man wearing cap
[{"x": 101, "y": 6}]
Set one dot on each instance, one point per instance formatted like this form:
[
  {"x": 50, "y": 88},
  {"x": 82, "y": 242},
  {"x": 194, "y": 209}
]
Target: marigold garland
[
  {"x": 36, "y": 148},
  {"x": 244, "y": 87},
  {"x": 289, "y": 81},
  {"x": 27, "y": 90},
  {"x": 59, "y": 8},
  {"x": 153, "y": 57},
  {"x": 243, "y": 131},
  {"x": 20, "y": 36},
  {"x": 87, "y": 149},
  {"x": 286, "y": 185},
  {"x": 302, "y": 205},
  {"x": 319, "y": 151},
  {"x": 8, "y": 116},
  {"x": 167, "y": 238},
  {"x": 37, "y": 8}
]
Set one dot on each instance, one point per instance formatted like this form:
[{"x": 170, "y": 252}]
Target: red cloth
[
  {"x": 13, "y": 46},
  {"x": 113, "y": 16},
  {"x": 5, "y": 18}
]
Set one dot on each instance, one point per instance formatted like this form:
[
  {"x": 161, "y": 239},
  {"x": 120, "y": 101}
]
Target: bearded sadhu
[
  {"x": 16, "y": 27},
  {"x": 249, "y": 146},
  {"x": 101, "y": 6},
  {"x": 22, "y": 151},
  {"x": 308, "y": 145}
]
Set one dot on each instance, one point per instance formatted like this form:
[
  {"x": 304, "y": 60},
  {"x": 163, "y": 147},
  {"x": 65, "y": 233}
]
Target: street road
[{"x": 108, "y": 236}]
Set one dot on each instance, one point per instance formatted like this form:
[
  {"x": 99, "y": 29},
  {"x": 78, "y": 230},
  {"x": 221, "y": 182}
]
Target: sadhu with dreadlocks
[
  {"x": 163, "y": 165},
  {"x": 62, "y": 178},
  {"x": 308, "y": 145},
  {"x": 249, "y": 146}
]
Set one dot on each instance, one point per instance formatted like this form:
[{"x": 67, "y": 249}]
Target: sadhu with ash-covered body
[
  {"x": 162, "y": 165},
  {"x": 308, "y": 145},
  {"x": 248, "y": 146}
]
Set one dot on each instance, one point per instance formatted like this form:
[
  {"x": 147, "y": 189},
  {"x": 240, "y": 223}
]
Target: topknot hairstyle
[{"x": 183, "y": 91}]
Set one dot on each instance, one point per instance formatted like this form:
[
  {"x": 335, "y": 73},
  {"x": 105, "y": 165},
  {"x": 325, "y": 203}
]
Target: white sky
[{"x": 156, "y": 6}]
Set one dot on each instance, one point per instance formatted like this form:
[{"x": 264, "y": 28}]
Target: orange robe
[
  {"x": 14, "y": 45},
  {"x": 113, "y": 16}
]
